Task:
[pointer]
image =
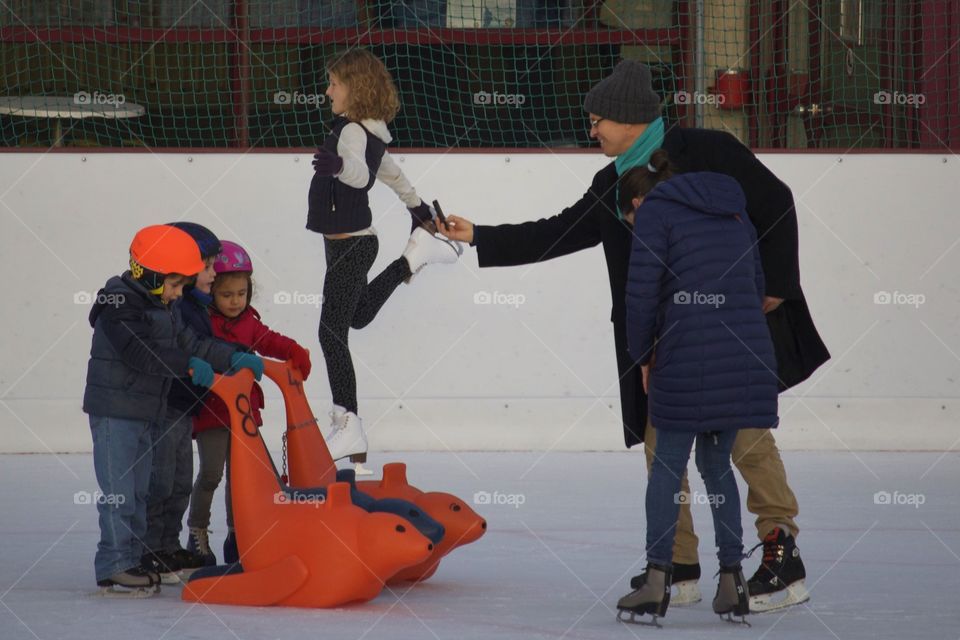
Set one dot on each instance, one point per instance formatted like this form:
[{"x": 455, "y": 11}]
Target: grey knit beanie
[{"x": 625, "y": 96}]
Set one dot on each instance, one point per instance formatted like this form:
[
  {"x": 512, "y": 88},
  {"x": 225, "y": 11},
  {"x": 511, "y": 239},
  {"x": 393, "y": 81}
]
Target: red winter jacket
[{"x": 247, "y": 330}]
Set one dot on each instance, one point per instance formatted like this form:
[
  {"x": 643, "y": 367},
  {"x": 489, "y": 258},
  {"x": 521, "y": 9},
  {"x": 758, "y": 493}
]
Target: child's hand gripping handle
[{"x": 201, "y": 373}]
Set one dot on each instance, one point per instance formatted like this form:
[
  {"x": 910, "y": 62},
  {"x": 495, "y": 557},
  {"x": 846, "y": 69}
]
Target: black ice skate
[
  {"x": 186, "y": 562},
  {"x": 731, "y": 598},
  {"x": 684, "y": 591},
  {"x": 651, "y": 597},
  {"x": 136, "y": 582},
  {"x": 779, "y": 581},
  {"x": 162, "y": 565}
]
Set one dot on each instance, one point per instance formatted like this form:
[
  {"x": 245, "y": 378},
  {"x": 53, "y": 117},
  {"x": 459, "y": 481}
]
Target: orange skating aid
[
  {"x": 302, "y": 553},
  {"x": 461, "y": 524},
  {"x": 310, "y": 465},
  {"x": 309, "y": 459}
]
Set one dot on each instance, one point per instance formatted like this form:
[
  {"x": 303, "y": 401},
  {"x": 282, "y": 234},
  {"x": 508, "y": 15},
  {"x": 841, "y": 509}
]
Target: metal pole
[{"x": 699, "y": 72}]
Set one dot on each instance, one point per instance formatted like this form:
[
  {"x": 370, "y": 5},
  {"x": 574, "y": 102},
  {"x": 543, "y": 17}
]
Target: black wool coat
[{"x": 593, "y": 220}]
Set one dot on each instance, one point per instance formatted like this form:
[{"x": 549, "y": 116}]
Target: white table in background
[{"x": 59, "y": 108}]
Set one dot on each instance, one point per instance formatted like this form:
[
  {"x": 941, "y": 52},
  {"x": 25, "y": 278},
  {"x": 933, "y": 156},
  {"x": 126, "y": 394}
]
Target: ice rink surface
[{"x": 880, "y": 538}]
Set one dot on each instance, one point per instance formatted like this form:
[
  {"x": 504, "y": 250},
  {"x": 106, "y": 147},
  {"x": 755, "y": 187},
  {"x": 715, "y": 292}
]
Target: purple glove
[
  {"x": 422, "y": 216},
  {"x": 327, "y": 163}
]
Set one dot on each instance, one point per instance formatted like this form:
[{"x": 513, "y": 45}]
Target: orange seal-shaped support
[{"x": 314, "y": 552}]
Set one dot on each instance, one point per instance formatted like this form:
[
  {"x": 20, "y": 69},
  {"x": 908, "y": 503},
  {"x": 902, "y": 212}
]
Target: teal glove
[
  {"x": 202, "y": 372},
  {"x": 241, "y": 360}
]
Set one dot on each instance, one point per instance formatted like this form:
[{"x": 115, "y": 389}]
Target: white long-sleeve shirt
[{"x": 352, "y": 147}]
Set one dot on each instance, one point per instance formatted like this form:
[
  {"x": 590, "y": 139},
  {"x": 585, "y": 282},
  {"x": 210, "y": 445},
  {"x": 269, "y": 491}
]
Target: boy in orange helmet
[{"x": 140, "y": 346}]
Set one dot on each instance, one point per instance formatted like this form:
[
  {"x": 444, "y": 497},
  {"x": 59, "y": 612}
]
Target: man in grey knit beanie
[
  {"x": 621, "y": 108},
  {"x": 625, "y": 96}
]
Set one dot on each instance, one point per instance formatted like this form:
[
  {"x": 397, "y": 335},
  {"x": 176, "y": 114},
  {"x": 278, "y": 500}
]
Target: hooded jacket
[
  {"x": 140, "y": 347},
  {"x": 593, "y": 220},
  {"x": 694, "y": 297}
]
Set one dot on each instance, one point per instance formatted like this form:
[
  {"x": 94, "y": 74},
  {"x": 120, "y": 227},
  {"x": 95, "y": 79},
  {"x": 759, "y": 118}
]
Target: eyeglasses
[{"x": 595, "y": 123}]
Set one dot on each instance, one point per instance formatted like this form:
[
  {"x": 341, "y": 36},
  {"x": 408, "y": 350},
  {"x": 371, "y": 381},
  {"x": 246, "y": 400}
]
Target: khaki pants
[{"x": 769, "y": 497}]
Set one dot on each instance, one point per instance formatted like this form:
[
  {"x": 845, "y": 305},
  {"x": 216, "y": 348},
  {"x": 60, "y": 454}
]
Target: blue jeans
[
  {"x": 171, "y": 481},
  {"x": 664, "y": 497},
  {"x": 122, "y": 458}
]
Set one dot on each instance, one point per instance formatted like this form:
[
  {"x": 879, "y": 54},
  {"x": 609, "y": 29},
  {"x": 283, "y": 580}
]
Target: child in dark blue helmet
[{"x": 171, "y": 479}]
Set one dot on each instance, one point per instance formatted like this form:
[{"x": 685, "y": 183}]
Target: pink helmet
[{"x": 233, "y": 258}]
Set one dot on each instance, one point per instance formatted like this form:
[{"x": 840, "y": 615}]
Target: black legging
[{"x": 348, "y": 301}]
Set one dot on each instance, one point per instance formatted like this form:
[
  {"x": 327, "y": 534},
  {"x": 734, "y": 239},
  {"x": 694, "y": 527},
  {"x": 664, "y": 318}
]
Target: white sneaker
[
  {"x": 345, "y": 436},
  {"x": 423, "y": 248}
]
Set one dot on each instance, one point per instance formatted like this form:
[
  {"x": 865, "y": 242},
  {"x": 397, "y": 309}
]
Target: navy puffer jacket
[
  {"x": 186, "y": 397},
  {"x": 694, "y": 293},
  {"x": 140, "y": 347}
]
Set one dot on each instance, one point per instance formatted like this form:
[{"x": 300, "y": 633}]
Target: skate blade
[
  {"x": 361, "y": 470},
  {"x": 685, "y": 594},
  {"x": 453, "y": 244},
  {"x": 119, "y": 592},
  {"x": 184, "y": 574},
  {"x": 358, "y": 455},
  {"x": 729, "y": 618},
  {"x": 793, "y": 595},
  {"x": 632, "y": 619}
]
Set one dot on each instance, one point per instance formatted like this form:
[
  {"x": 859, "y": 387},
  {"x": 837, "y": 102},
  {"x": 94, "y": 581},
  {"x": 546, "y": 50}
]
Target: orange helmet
[{"x": 160, "y": 250}]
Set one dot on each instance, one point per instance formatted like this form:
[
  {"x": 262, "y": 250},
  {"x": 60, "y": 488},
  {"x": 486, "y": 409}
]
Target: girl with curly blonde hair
[{"x": 351, "y": 159}]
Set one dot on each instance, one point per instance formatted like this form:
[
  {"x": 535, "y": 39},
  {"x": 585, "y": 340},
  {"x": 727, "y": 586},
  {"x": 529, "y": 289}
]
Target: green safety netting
[{"x": 476, "y": 73}]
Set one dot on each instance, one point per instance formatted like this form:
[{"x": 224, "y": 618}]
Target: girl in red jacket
[{"x": 233, "y": 320}]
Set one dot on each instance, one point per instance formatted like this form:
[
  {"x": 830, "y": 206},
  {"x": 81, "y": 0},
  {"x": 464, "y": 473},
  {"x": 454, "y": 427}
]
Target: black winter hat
[{"x": 625, "y": 96}]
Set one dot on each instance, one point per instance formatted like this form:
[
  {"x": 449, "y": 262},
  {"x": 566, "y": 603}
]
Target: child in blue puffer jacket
[
  {"x": 140, "y": 347},
  {"x": 695, "y": 326}
]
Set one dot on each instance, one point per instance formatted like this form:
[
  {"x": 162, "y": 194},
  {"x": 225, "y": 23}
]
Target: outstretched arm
[{"x": 575, "y": 228}]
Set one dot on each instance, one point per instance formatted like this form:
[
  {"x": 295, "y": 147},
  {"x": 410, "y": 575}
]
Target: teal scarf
[{"x": 640, "y": 151}]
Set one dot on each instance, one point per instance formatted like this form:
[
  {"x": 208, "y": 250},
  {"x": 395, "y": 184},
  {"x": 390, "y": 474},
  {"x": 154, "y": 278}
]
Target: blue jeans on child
[
  {"x": 122, "y": 458},
  {"x": 171, "y": 481},
  {"x": 663, "y": 493}
]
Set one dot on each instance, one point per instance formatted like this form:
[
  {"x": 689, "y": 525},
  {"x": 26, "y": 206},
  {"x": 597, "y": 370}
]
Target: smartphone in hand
[{"x": 442, "y": 218}]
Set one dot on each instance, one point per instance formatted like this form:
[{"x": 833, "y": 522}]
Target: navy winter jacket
[
  {"x": 593, "y": 220},
  {"x": 694, "y": 297},
  {"x": 185, "y": 396},
  {"x": 140, "y": 346}
]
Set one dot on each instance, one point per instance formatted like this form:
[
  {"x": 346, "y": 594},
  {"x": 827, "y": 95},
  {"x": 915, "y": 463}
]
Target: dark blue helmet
[{"x": 209, "y": 243}]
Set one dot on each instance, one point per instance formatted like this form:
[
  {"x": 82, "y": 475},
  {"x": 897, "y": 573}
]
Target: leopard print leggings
[{"x": 349, "y": 301}]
